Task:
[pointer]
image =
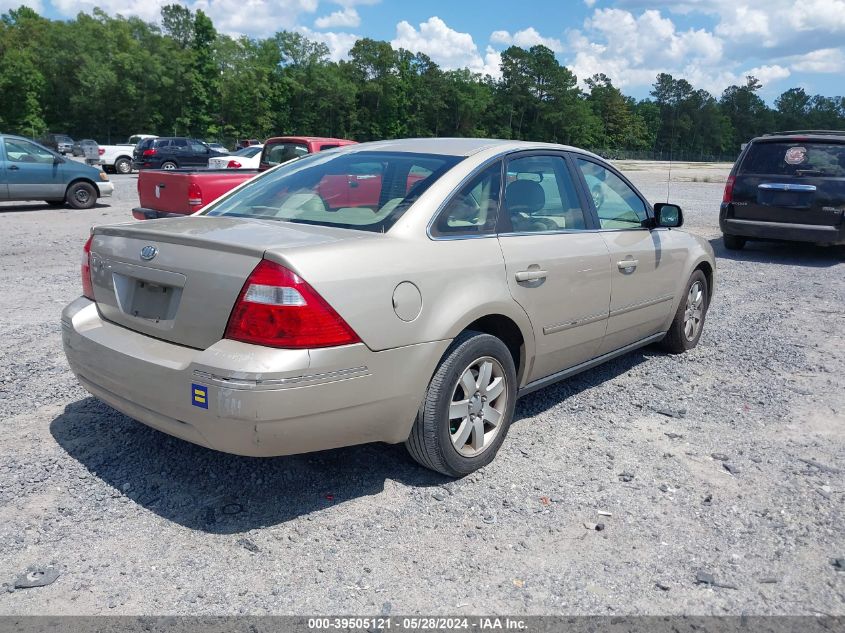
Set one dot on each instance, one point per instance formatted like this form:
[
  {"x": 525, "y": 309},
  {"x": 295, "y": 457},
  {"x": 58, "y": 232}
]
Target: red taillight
[
  {"x": 729, "y": 189},
  {"x": 277, "y": 308},
  {"x": 149, "y": 152},
  {"x": 87, "y": 285},
  {"x": 101, "y": 151},
  {"x": 194, "y": 195},
  {"x": 233, "y": 164}
]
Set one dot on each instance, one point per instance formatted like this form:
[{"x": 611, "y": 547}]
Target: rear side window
[
  {"x": 161, "y": 143},
  {"x": 797, "y": 158},
  {"x": 474, "y": 209}
]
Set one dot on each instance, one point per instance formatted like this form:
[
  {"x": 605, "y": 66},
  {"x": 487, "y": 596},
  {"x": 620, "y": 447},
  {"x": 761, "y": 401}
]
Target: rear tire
[
  {"x": 169, "y": 164},
  {"x": 733, "y": 242},
  {"x": 476, "y": 374},
  {"x": 123, "y": 166},
  {"x": 686, "y": 328},
  {"x": 81, "y": 195}
]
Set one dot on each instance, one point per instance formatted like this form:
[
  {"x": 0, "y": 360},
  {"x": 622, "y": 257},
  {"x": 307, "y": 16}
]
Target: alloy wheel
[
  {"x": 477, "y": 408},
  {"x": 694, "y": 312}
]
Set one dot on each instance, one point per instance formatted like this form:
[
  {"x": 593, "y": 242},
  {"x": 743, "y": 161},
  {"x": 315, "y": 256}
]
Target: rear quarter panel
[{"x": 459, "y": 281}]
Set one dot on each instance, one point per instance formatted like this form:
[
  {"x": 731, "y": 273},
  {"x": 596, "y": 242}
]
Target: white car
[{"x": 246, "y": 158}]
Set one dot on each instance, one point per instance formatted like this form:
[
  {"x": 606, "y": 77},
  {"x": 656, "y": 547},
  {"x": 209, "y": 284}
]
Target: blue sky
[{"x": 711, "y": 43}]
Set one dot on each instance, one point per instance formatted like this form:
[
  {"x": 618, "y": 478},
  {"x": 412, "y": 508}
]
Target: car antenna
[{"x": 671, "y": 152}]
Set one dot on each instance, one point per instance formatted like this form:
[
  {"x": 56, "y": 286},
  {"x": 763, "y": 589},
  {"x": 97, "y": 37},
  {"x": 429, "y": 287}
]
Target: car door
[
  {"x": 198, "y": 154},
  {"x": 32, "y": 171},
  {"x": 4, "y": 188},
  {"x": 557, "y": 264},
  {"x": 644, "y": 265}
]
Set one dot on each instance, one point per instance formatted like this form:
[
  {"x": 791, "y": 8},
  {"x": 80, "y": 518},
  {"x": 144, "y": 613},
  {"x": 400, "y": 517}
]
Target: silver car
[{"x": 398, "y": 291}]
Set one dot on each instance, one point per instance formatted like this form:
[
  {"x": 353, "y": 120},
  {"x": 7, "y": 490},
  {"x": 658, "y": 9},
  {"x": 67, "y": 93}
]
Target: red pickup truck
[{"x": 165, "y": 193}]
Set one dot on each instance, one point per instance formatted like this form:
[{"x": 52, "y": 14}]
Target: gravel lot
[{"x": 727, "y": 460}]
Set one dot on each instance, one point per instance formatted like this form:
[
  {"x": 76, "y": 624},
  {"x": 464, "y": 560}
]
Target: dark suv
[
  {"x": 172, "y": 152},
  {"x": 786, "y": 186}
]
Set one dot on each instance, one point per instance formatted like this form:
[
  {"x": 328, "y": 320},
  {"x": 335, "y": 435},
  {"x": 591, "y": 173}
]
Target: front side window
[
  {"x": 474, "y": 209},
  {"x": 540, "y": 196},
  {"x": 19, "y": 151},
  {"x": 197, "y": 147},
  {"x": 617, "y": 204},
  {"x": 358, "y": 190}
]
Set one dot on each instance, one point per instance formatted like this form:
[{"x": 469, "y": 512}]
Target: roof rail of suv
[{"x": 819, "y": 132}]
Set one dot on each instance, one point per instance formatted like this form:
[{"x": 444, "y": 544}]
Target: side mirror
[
  {"x": 668, "y": 215},
  {"x": 57, "y": 160}
]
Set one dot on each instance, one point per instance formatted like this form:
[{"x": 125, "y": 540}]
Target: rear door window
[{"x": 795, "y": 158}]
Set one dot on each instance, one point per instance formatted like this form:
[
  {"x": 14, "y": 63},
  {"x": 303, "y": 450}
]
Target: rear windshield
[
  {"x": 279, "y": 153},
  {"x": 795, "y": 158},
  {"x": 368, "y": 191},
  {"x": 248, "y": 152}
]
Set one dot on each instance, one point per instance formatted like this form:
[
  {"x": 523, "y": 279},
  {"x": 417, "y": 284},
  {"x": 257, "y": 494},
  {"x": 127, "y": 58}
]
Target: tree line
[{"x": 106, "y": 77}]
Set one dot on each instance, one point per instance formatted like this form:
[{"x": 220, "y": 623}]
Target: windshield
[
  {"x": 802, "y": 158},
  {"x": 368, "y": 191}
]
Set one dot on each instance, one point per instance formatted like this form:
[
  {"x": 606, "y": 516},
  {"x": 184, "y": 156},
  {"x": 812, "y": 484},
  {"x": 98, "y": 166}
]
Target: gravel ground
[{"x": 723, "y": 461}]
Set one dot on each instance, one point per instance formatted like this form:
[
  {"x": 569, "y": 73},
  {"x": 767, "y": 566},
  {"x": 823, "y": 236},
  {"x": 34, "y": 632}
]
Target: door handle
[
  {"x": 628, "y": 265},
  {"x": 531, "y": 275},
  {"x": 13, "y": 168}
]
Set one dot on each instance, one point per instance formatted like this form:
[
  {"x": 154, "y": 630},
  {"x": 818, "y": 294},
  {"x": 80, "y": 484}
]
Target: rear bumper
[
  {"x": 253, "y": 400},
  {"x": 761, "y": 230},
  {"x": 142, "y": 213}
]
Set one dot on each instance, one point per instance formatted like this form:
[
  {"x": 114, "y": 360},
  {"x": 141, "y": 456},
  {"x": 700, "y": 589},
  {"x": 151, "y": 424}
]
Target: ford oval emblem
[{"x": 148, "y": 252}]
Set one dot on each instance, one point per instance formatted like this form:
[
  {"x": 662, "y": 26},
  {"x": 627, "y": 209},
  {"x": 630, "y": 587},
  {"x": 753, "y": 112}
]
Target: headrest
[{"x": 524, "y": 196}]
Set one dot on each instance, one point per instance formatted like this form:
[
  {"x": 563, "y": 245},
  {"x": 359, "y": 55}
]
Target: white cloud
[
  {"x": 526, "y": 38},
  {"x": 446, "y": 46},
  {"x": 8, "y": 5},
  {"x": 339, "y": 43},
  {"x": 824, "y": 60},
  {"x": 347, "y": 18}
]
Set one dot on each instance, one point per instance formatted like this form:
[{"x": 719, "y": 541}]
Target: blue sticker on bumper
[{"x": 199, "y": 396}]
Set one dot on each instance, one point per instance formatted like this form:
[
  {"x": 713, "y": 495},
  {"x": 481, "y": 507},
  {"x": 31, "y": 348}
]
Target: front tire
[
  {"x": 468, "y": 407},
  {"x": 733, "y": 242},
  {"x": 81, "y": 195},
  {"x": 688, "y": 323}
]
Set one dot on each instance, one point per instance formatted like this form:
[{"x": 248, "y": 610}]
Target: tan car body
[{"x": 264, "y": 401}]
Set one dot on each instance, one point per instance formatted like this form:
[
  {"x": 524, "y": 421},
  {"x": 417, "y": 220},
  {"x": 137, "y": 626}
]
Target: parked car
[
  {"x": 246, "y": 143},
  {"x": 61, "y": 143},
  {"x": 137, "y": 138},
  {"x": 246, "y": 158},
  {"x": 78, "y": 148},
  {"x": 182, "y": 193},
  {"x": 787, "y": 186},
  {"x": 171, "y": 153},
  {"x": 271, "y": 323},
  {"x": 30, "y": 171}
]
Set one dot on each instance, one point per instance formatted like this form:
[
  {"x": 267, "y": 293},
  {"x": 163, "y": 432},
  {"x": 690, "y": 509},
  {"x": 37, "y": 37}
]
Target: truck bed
[{"x": 177, "y": 192}]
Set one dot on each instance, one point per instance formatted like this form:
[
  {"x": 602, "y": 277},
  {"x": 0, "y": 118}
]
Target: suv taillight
[
  {"x": 729, "y": 189},
  {"x": 149, "y": 152},
  {"x": 87, "y": 285},
  {"x": 233, "y": 164},
  {"x": 194, "y": 195},
  {"x": 277, "y": 308}
]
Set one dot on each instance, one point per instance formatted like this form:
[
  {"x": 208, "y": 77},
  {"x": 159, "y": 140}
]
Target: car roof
[{"x": 459, "y": 146}]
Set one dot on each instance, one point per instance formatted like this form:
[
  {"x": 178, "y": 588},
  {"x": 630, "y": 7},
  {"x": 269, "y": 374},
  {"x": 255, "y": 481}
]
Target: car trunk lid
[{"x": 178, "y": 279}]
